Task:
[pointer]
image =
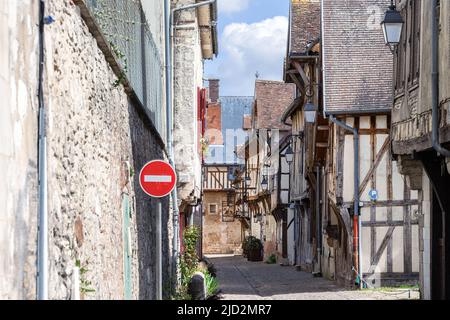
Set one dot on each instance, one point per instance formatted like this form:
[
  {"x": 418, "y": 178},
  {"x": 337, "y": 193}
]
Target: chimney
[{"x": 214, "y": 90}]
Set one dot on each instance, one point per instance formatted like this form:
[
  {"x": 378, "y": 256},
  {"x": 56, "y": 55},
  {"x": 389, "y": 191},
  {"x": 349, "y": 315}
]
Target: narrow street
[
  {"x": 243, "y": 280},
  {"x": 140, "y": 138}
]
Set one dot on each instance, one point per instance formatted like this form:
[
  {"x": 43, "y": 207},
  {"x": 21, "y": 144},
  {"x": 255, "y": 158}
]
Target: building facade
[
  {"x": 358, "y": 221},
  {"x": 419, "y": 96},
  {"x": 194, "y": 40},
  {"x": 101, "y": 117},
  {"x": 223, "y": 231},
  {"x": 266, "y": 222}
]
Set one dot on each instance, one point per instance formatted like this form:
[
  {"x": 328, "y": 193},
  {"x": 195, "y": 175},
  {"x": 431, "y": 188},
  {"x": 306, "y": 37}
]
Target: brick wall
[{"x": 214, "y": 124}]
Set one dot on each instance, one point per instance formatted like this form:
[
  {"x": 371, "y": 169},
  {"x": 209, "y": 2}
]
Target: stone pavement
[{"x": 243, "y": 280}]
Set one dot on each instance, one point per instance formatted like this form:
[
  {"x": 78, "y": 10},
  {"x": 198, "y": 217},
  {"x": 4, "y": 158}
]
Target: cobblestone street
[{"x": 243, "y": 280}]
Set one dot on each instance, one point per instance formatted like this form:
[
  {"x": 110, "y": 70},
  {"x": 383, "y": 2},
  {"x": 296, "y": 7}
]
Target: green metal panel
[{"x": 127, "y": 272}]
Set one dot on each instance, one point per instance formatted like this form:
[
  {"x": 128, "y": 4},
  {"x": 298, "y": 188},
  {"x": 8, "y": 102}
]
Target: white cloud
[
  {"x": 232, "y": 6},
  {"x": 250, "y": 48}
]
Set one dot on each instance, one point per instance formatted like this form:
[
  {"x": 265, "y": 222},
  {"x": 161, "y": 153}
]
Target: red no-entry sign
[{"x": 157, "y": 178}]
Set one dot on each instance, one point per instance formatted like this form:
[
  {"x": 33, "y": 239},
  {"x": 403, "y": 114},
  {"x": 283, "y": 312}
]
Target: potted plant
[{"x": 254, "y": 249}]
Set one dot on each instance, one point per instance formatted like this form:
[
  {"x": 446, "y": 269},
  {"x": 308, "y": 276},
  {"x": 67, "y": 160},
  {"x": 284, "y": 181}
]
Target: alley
[{"x": 243, "y": 280}]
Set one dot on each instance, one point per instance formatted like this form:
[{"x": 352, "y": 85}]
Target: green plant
[
  {"x": 253, "y": 243},
  {"x": 121, "y": 56},
  {"x": 272, "y": 259},
  {"x": 85, "y": 285},
  {"x": 188, "y": 261},
  {"x": 212, "y": 285}
]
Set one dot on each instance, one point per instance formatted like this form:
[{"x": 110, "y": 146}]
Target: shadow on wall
[
  {"x": 25, "y": 237},
  {"x": 145, "y": 149}
]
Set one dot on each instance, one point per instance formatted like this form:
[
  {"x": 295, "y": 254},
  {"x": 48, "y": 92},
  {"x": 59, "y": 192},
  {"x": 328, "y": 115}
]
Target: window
[
  {"x": 414, "y": 41},
  {"x": 212, "y": 208},
  {"x": 400, "y": 58},
  {"x": 407, "y": 59}
]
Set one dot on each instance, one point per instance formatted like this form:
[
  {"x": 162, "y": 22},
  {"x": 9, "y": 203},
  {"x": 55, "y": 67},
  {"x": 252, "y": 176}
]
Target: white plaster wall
[
  {"x": 426, "y": 255},
  {"x": 188, "y": 63},
  {"x": 18, "y": 148}
]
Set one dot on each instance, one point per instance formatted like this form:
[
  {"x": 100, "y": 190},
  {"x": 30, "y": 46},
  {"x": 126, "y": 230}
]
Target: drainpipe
[
  {"x": 435, "y": 82},
  {"x": 169, "y": 128},
  {"x": 170, "y": 57},
  {"x": 42, "y": 264},
  {"x": 357, "y": 245}
]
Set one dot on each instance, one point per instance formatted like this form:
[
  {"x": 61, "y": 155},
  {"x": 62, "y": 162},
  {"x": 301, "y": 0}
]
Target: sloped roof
[
  {"x": 304, "y": 25},
  {"x": 272, "y": 98},
  {"x": 357, "y": 63}
]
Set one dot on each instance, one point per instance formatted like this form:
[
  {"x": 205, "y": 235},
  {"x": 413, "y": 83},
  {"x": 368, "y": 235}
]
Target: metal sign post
[
  {"x": 158, "y": 250},
  {"x": 158, "y": 179}
]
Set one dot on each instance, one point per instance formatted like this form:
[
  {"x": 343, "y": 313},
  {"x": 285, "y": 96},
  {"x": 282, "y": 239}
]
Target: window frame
[{"x": 216, "y": 209}]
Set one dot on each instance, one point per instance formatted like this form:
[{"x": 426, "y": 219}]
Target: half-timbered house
[
  {"x": 268, "y": 221},
  {"x": 223, "y": 228},
  {"x": 357, "y": 217}
]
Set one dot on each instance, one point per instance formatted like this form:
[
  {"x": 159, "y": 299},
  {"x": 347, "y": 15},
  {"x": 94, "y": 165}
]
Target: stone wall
[
  {"x": 220, "y": 237},
  {"x": 18, "y": 148},
  {"x": 188, "y": 77},
  {"x": 93, "y": 131}
]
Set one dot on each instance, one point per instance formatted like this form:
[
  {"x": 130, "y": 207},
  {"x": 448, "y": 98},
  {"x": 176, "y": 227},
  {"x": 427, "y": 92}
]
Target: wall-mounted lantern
[
  {"x": 392, "y": 25},
  {"x": 248, "y": 181},
  {"x": 310, "y": 112},
  {"x": 264, "y": 183}
]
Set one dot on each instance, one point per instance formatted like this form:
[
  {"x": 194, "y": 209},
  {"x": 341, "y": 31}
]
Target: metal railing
[{"x": 124, "y": 26}]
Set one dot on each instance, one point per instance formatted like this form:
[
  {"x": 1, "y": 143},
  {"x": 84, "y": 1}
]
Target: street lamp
[
  {"x": 248, "y": 181},
  {"x": 264, "y": 183},
  {"x": 310, "y": 112},
  {"x": 289, "y": 155},
  {"x": 392, "y": 25},
  {"x": 266, "y": 169}
]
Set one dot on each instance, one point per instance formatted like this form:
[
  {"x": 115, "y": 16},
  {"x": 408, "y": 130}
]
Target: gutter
[
  {"x": 357, "y": 245},
  {"x": 42, "y": 253},
  {"x": 435, "y": 83},
  {"x": 291, "y": 109}
]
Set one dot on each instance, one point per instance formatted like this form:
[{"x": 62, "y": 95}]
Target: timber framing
[
  {"x": 379, "y": 223},
  {"x": 422, "y": 143}
]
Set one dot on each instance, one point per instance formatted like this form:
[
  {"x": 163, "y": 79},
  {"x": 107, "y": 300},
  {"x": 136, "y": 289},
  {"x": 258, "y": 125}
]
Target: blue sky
[{"x": 252, "y": 38}]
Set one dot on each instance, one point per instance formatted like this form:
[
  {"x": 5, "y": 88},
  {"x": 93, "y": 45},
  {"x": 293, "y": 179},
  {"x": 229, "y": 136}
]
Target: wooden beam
[
  {"x": 323, "y": 128},
  {"x": 407, "y": 232},
  {"x": 388, "y": 203},
  {"x": 300, "y": 86},
  {"x": 302, "y": 73},
  {"x": 399, "y": 223},
  {"x": 374, "y": 166},
  {"x": 379, "y": 253},
  {"x": 339, "y": 162}
]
